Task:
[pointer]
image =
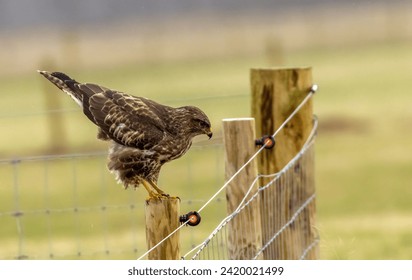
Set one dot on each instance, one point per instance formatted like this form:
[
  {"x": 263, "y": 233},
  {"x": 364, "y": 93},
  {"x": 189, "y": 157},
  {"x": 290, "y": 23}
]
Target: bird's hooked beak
[{"x": 209, "y": 134}]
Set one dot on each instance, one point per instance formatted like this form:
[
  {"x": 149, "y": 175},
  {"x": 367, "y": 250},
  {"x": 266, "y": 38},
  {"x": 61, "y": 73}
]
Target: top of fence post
[
  {"x": 162, "y": 218},
  {"x": 275, "y": 94}
]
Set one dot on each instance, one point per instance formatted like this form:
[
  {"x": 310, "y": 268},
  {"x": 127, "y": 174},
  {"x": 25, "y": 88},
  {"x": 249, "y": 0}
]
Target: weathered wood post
[
  {"x": 245, "y": 238},
  {"x": 162, "y": 218},
  {"x": 275, "y": 95}
]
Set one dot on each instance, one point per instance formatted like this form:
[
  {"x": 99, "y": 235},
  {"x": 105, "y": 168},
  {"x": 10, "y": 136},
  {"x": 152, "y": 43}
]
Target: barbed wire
[{"x": 311, "y": 92}]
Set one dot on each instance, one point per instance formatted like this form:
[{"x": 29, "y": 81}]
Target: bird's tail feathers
[{"x": 65, "y": 83}]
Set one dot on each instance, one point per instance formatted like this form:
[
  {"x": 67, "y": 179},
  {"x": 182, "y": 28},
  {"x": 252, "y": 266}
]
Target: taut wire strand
[
  {"x": 163, "y": 240},
  {"x": 312, "y": 91}
]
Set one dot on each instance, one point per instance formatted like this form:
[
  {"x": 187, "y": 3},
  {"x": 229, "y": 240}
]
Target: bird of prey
[{"x": 144, "y": 134}]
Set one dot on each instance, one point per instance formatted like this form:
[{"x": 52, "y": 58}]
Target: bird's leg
[
  {"x": 149, "y": 189},
  {"x": 159, "y": 191}
]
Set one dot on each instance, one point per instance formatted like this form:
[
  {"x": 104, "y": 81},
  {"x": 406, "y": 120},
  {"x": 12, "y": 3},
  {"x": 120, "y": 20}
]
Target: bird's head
[{"x": 198, "y": 122}]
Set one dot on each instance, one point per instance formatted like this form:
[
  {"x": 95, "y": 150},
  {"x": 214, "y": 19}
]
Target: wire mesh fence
[
  {"x": 70, "y": 207},
  {"x": 285, "y": 221}
]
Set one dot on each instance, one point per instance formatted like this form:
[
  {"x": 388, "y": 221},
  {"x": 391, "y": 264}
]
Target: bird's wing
[{"x": 128, "y": 120}]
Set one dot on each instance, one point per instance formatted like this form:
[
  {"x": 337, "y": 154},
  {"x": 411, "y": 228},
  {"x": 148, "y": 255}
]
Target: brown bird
[{"x": 144, "y": 134}]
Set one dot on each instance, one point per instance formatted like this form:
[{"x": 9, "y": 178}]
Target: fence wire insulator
[
  {"x": 192, "y": 218},
  {"x": 267, "y": 140},
  {"x": 314, "y": 88}
]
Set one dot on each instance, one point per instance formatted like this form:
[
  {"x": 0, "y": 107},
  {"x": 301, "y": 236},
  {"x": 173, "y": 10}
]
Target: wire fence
[
  {"x": 289, "y": 194},
  {"x": 70, "y": 207}
]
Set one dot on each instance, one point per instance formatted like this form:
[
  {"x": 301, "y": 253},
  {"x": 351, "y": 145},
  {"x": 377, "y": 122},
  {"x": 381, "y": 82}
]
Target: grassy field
[{"x": 363, "y": 155}]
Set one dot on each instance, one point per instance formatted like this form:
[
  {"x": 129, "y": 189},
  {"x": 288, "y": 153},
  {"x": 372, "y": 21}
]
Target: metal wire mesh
[
  {"x": 70, "y": 207},
  {"x": 287, "y": 204}
]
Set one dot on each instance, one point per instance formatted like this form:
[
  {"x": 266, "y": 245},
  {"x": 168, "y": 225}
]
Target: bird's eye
[{"x": 203, "y": 123}]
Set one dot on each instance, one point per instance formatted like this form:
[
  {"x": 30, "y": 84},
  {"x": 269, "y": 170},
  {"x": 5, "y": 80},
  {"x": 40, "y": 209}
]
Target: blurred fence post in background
[
  {"x": 52, "y": 98},
  {"x": 275, "y": 95},
  {"x": 244, "y": 237},
  {"x": 274, "y": 51},
  {"x": 70, "y": 48},
  {"x": 162, "y": 218}
]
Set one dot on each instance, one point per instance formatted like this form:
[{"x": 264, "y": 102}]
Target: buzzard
[{"x": 144, "y": 134}]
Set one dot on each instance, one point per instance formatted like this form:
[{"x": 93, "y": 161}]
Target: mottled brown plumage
[{"x": 144, "y": 134}]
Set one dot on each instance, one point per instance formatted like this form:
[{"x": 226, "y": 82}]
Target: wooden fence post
[
  {"x": 275, "y": 95},
  {"x": 244, "y": 238},
  {"x": 162, "y": 218}
]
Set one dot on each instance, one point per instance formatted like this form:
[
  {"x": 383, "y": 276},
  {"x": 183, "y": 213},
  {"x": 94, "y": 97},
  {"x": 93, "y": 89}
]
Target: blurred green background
[{"x": 179, "y": 53}]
